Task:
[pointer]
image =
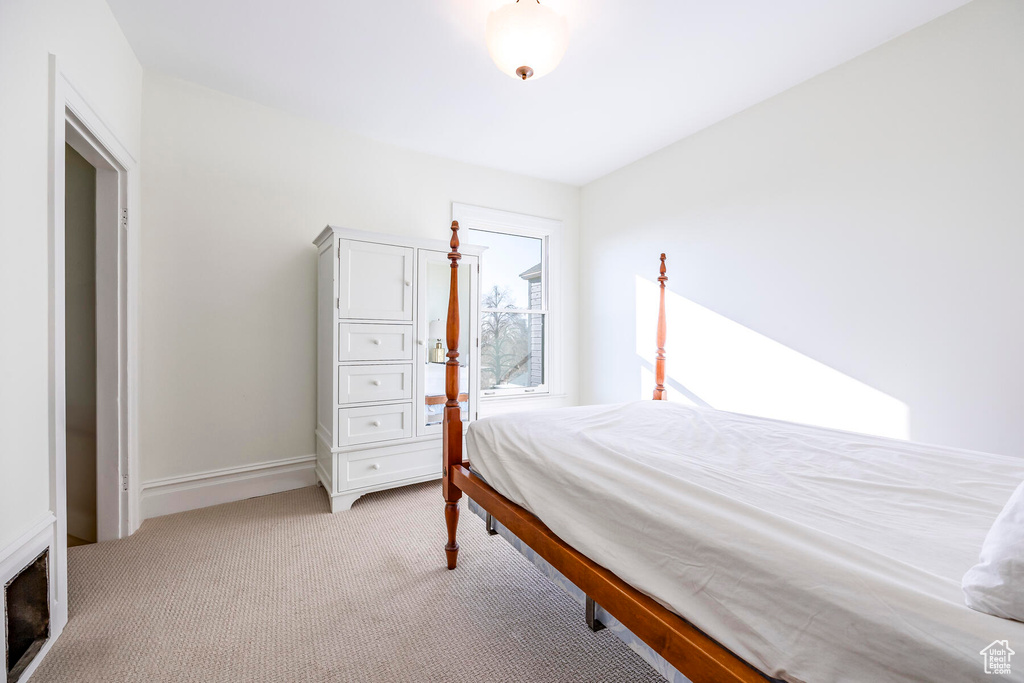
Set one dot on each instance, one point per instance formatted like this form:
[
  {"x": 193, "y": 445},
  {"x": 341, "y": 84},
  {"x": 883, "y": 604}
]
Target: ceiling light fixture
[{"x": 526, "y": 40}]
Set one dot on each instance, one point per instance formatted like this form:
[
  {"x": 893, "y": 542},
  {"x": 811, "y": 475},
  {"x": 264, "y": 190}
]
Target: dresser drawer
[
  {"x": 365, "y": 383},
  {"x": 362, "y": 341},
  {"x": 374, "y": 423},
  {"x": 380, "y": 468}
]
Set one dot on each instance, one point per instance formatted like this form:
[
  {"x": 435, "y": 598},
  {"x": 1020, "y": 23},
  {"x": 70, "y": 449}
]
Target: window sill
[{"x": 520, "y": 397}]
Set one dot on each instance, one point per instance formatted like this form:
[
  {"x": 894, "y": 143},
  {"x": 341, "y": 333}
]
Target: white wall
[
  {"x": 95, "y": 55},
  {"x": 234, "y": 194},
  {"x": 870, "y": 219}
]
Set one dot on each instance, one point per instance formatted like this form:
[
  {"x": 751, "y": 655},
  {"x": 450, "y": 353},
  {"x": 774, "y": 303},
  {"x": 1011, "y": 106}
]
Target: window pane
[
  {"x": 511, "y": 269},
  {"x": 511, "y": 350}
]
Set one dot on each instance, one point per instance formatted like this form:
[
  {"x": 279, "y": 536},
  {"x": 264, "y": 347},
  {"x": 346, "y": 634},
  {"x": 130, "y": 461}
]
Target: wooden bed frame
[{"x": 685, "y": 647}]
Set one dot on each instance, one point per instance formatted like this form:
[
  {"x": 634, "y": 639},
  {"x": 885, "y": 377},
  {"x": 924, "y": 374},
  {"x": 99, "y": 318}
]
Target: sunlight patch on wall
[{"x": 727, "y": 366}]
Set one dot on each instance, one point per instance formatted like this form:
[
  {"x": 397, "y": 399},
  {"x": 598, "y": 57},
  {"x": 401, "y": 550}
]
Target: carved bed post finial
[
  {"x": 452, "y": 425},
  {"x": 659, "y": 362}
]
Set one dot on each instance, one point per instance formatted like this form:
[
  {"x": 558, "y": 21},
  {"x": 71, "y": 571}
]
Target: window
[
  {"x": 512, "y": 312},
  {"x": 515, "y": 298}
]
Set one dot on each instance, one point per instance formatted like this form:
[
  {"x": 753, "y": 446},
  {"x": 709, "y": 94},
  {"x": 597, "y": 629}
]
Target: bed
[{"x": 740, "y": 548}]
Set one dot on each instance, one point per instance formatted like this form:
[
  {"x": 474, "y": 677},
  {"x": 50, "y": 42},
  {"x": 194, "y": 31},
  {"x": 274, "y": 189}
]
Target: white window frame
[{"x": 550, "y": 232}]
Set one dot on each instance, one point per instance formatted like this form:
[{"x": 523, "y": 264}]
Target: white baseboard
[
  {"x": 15, "y": 557},
  {"x": 177, "y": 494}
]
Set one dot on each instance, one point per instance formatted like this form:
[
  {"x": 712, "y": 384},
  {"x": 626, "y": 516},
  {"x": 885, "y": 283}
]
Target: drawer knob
[
  {"x": 376, "y": 341},
  {"x": 374, "y": 466},
  {"x": 376, "y": 382},
  {"x": 408, "y": 284},
  {"x": 376, "y": 423}
]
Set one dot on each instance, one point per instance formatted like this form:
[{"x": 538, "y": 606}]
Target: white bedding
[{"x": 814, "y": 555}]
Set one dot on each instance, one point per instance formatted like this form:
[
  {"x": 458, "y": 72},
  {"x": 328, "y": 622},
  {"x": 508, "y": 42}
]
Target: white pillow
[{"x": 996, "y": 584}]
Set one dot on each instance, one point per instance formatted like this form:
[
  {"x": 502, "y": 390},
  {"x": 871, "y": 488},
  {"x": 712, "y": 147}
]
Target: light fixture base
[{"x": 524, "y": 72}]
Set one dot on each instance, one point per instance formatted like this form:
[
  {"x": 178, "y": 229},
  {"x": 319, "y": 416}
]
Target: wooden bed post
[
  {"x": 451, "y": 430},
  {"x": 659, "y": 362}
]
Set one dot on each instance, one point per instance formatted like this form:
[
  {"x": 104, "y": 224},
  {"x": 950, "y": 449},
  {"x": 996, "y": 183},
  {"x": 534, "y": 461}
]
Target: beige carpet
[{"x": 278, "y": 589}]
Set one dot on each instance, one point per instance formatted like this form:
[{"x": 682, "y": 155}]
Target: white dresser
[{"x": 378, "y": 393}]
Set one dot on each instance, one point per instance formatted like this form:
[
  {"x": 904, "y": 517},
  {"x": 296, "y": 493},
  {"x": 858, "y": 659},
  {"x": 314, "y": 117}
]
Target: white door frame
[{"x": 74, "y": 122}]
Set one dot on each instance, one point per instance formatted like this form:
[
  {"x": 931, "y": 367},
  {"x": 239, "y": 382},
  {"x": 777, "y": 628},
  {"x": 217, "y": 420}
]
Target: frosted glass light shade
[
  {"x": 436, "y": 329},
  {"x": 526, "y": 39}
]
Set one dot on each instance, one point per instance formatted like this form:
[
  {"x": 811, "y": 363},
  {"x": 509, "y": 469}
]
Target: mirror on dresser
[{"x": 435, "y": 277}]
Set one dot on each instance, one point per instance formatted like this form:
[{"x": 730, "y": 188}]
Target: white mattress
[{"x": 815, "y": 555}]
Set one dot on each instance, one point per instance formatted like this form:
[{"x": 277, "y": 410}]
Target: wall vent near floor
[{"x": 27, "y": 615}]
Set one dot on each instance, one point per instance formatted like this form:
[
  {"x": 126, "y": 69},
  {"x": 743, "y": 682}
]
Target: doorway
[
  {"x": 95, "y": 333},
  {"x": 80, "y": 345}
]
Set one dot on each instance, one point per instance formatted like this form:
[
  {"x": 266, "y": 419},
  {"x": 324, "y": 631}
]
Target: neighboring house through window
[{"x": 516, "y": 297}]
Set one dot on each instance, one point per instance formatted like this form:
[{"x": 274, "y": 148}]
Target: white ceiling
[{"x": 638, "y": 74}]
